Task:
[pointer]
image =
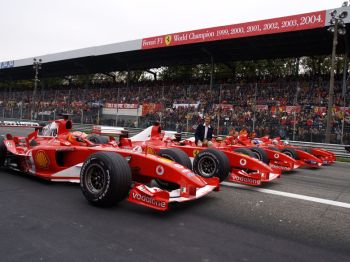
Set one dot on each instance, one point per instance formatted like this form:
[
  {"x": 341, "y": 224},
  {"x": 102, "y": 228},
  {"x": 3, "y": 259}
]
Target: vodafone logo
[
  {"x": 276, "y": 155},
  {"x": 148, "y": 200},
  {"x": 246, "y": 180},
  {"x": 160, "y": 170},
  {"x": 243, "y": 162}
]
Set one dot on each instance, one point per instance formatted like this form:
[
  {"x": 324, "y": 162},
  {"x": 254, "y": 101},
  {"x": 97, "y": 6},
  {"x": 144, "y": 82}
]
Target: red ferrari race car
[
  {"x": 207, "y": 162},
  {"x": 310, "y": 157},
  {"x": 270, "y": 156},
  {"x": 107, "y": 173}
]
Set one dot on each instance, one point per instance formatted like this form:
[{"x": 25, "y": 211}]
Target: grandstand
[{"x": 268, "y": 104}]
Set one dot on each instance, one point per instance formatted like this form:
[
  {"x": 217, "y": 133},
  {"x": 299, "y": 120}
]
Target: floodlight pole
[
  {"x": 296, "y": 97},
  {"x": 345, "y": 71},
  {"x": 211, "y": 72},
  {"x": 294, "y": 111},
  {"x": 218, "y": 126},
  {"x": 254, "y": 109},
  {"x": 331, "y": 84},
  {"x": 36, "y": 67}
]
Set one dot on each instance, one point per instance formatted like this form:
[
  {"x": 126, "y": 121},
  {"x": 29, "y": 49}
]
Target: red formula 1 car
[
  {"x": 326, "y": 157},
  {"x": 207, "y": 162},
  {"x": 270, "y": 156},
  {"x": 107, "y": 173},
  {"x": 305, "y": 157}
]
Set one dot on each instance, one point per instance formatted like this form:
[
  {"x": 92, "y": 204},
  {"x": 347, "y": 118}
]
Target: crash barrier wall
[{"x": 339, "y": 150}]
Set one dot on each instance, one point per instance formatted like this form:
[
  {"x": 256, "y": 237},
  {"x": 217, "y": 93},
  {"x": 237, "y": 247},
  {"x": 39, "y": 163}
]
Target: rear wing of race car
[
  {"x": 108, "y": 130},
  {"x": 23, "y": 124}
]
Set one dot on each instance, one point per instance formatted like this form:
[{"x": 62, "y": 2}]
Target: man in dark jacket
[{"x": 204, "y": 133}]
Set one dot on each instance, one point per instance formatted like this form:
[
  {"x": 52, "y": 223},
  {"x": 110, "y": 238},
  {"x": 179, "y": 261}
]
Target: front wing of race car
[
  {"x": 249, "y": 171},
  {"x": 159, "y": 199},
  {"x": 325, "y": 156},
  {"x": 280, "y": 161},
  {"x": 307, "y": 159}
]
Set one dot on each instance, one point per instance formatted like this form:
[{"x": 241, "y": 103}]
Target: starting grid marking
[{"x": 290, "y": 195}]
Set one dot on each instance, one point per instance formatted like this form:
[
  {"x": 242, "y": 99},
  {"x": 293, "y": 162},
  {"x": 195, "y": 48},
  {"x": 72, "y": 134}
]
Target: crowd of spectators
[{"x": 231, "y": 106}]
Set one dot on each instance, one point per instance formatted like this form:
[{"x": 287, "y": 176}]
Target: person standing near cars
[{"x": 204, "y": 133}]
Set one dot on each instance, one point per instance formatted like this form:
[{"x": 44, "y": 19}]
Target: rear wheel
[
  {"x": 247, "y": 152},
  {"x": 274, "y": 149},
  {"x": 175, "y": 155},
  {"x": 260, "y": 154},
  {"x": 212, "y": 163},
  {"x": 290, "y": 152},
  {"x": 105, "y": 178},
  {"x": 244, "y": 151},
  {"x": 98, "y": 139}
]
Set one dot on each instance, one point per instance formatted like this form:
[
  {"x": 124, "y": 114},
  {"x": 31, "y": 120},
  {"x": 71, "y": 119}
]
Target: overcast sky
[{"x": 36, "y": 27}]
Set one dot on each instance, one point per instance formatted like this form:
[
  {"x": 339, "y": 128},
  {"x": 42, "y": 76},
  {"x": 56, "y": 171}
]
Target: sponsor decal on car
[
  {"x": 243, "y": 161},
  {"x": 178, "y": 166},
  {"x": 166, "y": 160},
  {"x": 148, "y": 200},
  {"x": 280, "y": 167},
  {"x": 195, "y": 152},
  {"x": 151, "y": 151},
  {"x": 246, "y": 180},
  {"x": 41, "y": 159},
  {"x": 160, "y": 170}
]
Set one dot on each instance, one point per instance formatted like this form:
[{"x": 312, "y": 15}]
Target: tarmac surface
[{"x": 43, "y": 221}]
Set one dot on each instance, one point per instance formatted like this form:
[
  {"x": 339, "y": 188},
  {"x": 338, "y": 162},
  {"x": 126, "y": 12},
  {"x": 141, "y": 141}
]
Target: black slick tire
[
  {"x": 211, "y": 163},
  {"x": 175, "y": 155},
  {"x": 101, "y": 140},
  {"x": 290, "y": 152},
  {"x": 260, "y": 154},
  {"x": 105, "y": 178},
  {"x": 245, "y": 151}
]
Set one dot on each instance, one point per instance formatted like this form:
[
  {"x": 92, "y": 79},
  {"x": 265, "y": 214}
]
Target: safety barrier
[{"x": 338, "y": 150}]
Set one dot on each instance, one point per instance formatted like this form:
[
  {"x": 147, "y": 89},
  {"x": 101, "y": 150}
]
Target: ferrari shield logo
[
  {"x": 41, "y": 160},
  {"x": 168, "y": 39},
  {"x": 195, "y": 153}
]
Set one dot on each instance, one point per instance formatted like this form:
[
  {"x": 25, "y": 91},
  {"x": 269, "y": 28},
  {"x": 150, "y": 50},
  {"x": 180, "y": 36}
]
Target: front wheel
[
  {"x": 105, "y": 178},
  {"x": 260, "y": 154},
  {"x": 175, "y": 155},
  {"x": 212, "y": 163},
  {"x": 290, "y": 152}
]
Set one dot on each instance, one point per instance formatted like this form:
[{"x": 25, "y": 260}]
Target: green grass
[{"x": 343, "y": 159}]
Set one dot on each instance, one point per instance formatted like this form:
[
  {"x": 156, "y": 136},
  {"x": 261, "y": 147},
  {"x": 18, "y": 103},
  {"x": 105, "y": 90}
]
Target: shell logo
[
  {"x": 166, "y": 160},
  {"x": 41, "y": 160},
  {"x": 150, "y": 151}
]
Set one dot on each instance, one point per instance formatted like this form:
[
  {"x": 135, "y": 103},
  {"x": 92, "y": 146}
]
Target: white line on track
[{"x": 291, "y": 195}]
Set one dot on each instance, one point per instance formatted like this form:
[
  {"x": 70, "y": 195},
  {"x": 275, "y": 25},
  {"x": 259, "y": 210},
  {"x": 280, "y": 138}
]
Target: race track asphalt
[{"x": 43, "y": 221}]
